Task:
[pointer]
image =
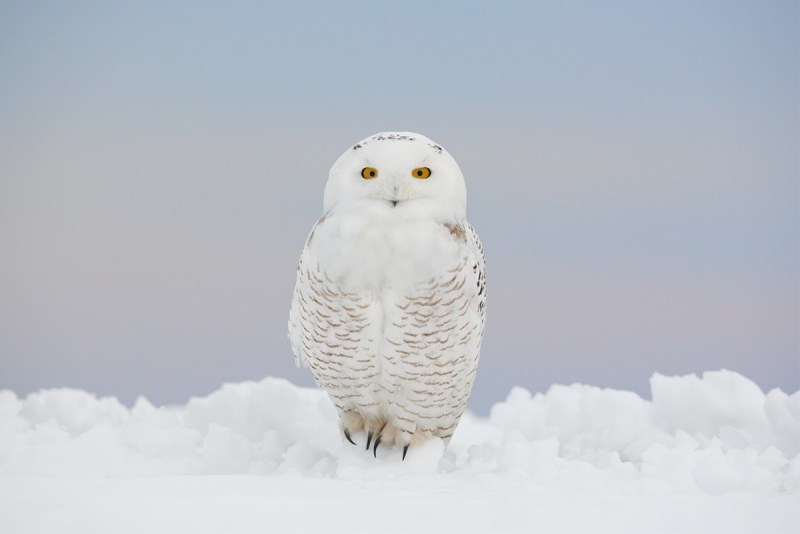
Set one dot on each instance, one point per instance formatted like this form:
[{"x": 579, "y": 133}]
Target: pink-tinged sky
[{"x": 632, "y": 170}]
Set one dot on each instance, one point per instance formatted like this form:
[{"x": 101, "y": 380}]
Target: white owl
[{"x": 390, "y": 301}]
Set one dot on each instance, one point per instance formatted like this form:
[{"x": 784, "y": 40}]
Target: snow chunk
[{"x": 711, "y": 435}]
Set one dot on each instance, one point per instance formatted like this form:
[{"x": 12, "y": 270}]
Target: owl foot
[
  {"x": 377, "y": 433},
  {"x": 388, "y": 433},
  {"x": 350, "y": 423},
  {"x": 380, "y": 432}
]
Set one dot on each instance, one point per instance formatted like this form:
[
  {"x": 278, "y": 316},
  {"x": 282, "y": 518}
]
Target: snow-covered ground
[{"x": 710, "y": 454}]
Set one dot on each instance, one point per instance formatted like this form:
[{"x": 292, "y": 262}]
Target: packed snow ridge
[{"x": 710, "y": 435}]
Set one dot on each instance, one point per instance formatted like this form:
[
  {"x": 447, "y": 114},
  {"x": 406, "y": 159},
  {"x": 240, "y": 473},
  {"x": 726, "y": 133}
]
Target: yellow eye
[
  {"x": 369, "y": 172},
  {"x": 421, "y": 172}
]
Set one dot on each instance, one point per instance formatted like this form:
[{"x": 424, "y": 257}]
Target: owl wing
[
  {"x": 433, "y": 339},
  {"x": 302, "y": 304},
  {"x": 329, "y": 326},
  {"x": 478, "y": 259}
]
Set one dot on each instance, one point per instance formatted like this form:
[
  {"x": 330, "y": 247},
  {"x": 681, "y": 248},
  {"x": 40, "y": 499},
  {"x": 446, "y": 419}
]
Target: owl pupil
[
  {"x": 419, "y": 173},
  {"x": 372, "y": 173}
]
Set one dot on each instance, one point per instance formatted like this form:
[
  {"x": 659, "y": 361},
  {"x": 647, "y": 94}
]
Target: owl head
[{"x": 397, "y": 175}]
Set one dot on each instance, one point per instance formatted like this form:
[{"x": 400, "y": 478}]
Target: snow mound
[{"x": 708, "y": 435}]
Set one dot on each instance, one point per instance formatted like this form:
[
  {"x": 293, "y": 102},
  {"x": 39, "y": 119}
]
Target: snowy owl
[{"x": 390, "y": 300}]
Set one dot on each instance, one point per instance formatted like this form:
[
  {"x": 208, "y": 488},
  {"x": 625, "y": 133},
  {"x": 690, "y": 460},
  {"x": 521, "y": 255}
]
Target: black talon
[
  {"x": 405, "y": 450},
  {"x": 347, "y": 435},
  {"x": 369, "y": 439},
  {"x": 375, "y": 448}
]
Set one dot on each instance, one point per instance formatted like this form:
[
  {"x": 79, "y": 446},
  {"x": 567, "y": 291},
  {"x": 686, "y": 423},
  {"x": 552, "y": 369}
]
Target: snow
[{"x": 707, "y": 454}]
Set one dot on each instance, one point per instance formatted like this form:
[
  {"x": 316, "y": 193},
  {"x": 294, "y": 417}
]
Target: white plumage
[{"x": 389, "y": 305}]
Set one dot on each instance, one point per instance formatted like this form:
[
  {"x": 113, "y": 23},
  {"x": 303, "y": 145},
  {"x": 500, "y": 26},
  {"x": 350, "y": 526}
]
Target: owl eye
[
  {"x": 421, "y": 172},
  {"x": 369, "y": 172}
]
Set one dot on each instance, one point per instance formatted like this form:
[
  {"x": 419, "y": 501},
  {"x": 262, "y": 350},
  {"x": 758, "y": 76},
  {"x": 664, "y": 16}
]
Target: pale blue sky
[{"x": 632, "y": 169}]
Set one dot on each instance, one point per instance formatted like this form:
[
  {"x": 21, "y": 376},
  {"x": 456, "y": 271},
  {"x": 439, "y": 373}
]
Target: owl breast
[{"x": 364, "y": 253}]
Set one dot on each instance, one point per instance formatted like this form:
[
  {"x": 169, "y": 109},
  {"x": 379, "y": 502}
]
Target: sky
[{"x": 632, "y": 169}]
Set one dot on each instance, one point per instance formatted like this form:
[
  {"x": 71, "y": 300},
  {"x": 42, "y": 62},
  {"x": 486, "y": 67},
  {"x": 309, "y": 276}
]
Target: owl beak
[{"x": 394, "y": 202}]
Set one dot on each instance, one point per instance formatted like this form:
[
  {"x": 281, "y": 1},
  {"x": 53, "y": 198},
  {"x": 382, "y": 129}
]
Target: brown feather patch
[{"x": 457, "y": 231}]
